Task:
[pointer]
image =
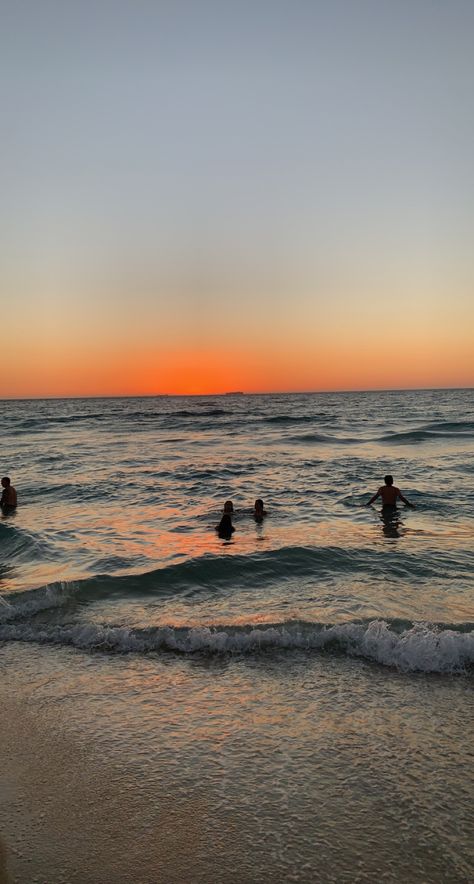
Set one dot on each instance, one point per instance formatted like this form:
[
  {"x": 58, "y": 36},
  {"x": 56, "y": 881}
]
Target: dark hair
[
  {"x": 6, "y": 479},
  {"x": 388, "y": 480},
  {"x": 259, "y": 502},
  {"x": 225, "y": 526}
]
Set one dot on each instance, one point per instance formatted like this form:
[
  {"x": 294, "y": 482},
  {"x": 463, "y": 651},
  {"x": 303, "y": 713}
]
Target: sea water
[{"x": 307, "y": 680}]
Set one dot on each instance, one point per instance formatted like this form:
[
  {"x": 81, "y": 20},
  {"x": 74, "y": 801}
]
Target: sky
[{"x": 208, "y": 196}]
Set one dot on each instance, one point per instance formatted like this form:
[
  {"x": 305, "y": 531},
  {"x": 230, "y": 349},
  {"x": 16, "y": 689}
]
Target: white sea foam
[{"x": 422, "y": 648}]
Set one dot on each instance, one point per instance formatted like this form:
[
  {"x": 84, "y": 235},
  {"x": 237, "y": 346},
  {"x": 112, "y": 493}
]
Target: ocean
[{"x": 292, "y": 704}]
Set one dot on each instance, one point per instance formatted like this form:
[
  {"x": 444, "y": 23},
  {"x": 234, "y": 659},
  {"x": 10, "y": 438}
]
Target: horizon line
[{"x": 228, "y": 394}]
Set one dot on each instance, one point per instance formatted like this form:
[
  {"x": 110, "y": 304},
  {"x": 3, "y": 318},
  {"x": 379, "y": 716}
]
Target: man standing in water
[
  {"x": 389, "y": 494},
  {"x": 8, "y": 499}
]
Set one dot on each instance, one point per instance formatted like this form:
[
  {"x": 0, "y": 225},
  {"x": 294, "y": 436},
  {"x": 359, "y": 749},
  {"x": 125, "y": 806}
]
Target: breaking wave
[{"x": 418, "y": 648}]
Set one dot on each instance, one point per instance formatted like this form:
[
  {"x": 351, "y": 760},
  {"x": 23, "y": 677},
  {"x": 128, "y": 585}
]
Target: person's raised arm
[
  {"x": 405, "y": 501},
  {"x": 373, "y": 498}
]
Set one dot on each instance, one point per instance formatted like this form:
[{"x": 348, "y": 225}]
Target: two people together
[{"x": 225, "y": 527}]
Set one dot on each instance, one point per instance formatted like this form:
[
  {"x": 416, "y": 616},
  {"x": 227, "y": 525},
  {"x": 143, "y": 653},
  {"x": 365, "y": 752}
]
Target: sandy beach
[{"x": 68, "y": 816}]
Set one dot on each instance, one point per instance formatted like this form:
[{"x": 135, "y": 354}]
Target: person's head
[
  {"x": 388, "y": 480},
  {"x": 225, "y": 526},
  {"x": 5, "y": 482},
  {"x": 258, "y": 505},
  {"x": 228, "y": 506}
]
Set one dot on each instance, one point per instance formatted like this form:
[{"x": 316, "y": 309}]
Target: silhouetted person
[
  {"x": 259, "y": 512},
  {"x": 389, "y": 494},
  {"x": 225, "y": 527},
  {"x": 8, "y": 499}
]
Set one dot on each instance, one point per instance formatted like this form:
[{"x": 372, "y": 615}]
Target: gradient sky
[{"x": 208, "y": 196}]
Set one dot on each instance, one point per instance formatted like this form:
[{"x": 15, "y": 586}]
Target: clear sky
[{"x": 207, "y": 196}]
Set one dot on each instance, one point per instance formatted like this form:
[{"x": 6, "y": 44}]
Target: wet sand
[
  {"x": 138, "y": 771},
  {"x": 68, "y": 816}
]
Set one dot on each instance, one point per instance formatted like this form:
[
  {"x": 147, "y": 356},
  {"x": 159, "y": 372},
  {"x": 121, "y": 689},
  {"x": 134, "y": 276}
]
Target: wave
[
  {"x": 452, "y": 426},
  {"x": 292, "y": 419},
  {"x": 428, "y": 434},
  {"x": 207, "y": 572},
  {"x": 210, "y": 412},
  {"x": 418, "y": 648},
  {"x": 43, "y": 421},
  {"x": 192, "y": 473},
  {"x": 226, "y": 573},
  {"x": 320, "y": 437},
  {"x": 21, "y": 545},
  {"x": 409, "y": 436}
]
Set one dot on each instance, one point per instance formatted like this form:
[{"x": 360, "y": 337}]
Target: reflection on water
[
  {"x": 121, "y": 517},
  {"x": 392, "y": 523},
  {"x": 7, "y": 572},
  {"x": 106, "y": 488}
]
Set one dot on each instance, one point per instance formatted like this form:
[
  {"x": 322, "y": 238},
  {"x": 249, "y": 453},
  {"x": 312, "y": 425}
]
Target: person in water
[
  {"x": 8, "y": 500},
  {"x": 259, "y": 512},
  {"x": 390, "y": 494},
  {"x": 225, "y": 528}
]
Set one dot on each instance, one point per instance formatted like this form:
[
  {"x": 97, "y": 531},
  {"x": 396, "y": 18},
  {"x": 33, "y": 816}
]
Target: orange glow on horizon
[{"x": 327, "y": 366}]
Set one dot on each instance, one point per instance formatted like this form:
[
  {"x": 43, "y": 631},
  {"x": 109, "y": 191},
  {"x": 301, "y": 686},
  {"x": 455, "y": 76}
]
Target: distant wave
[
  {"x": 141, "y": 419},
  {"x": 432, "y": 432},
  {"x": 210, "y": 412},
  {"x": 409, "y": 436},
  {"x": 452, "y": 426},
  {"x": 418, "y": 648},
  {"x": 192, "y": 473},
  {"x": 327, "y": 440},
  {"x": 43, "y": 421},
  {"x": 291, "y": 419}
]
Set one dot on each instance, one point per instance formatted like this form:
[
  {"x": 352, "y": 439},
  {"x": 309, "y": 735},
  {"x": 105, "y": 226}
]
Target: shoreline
[{"x": 81, "y": 806}]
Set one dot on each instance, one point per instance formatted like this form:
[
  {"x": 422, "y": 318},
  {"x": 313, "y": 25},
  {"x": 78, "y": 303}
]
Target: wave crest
[{"x": 420, "y": 648}]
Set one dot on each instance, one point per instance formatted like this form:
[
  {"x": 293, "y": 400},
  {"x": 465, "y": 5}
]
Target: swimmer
[
  {"x": 8, "y": 500},
  {"x": 225, "y": 527},
  {"x": 389, "y": 494},
  {"x": 259, "y": 512}
]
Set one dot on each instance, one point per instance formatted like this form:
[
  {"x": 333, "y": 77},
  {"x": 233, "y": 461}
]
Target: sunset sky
[{"x": 208, "y": 196}]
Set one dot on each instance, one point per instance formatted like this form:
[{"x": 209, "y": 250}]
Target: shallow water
[{"x": 312, "y": 676}]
